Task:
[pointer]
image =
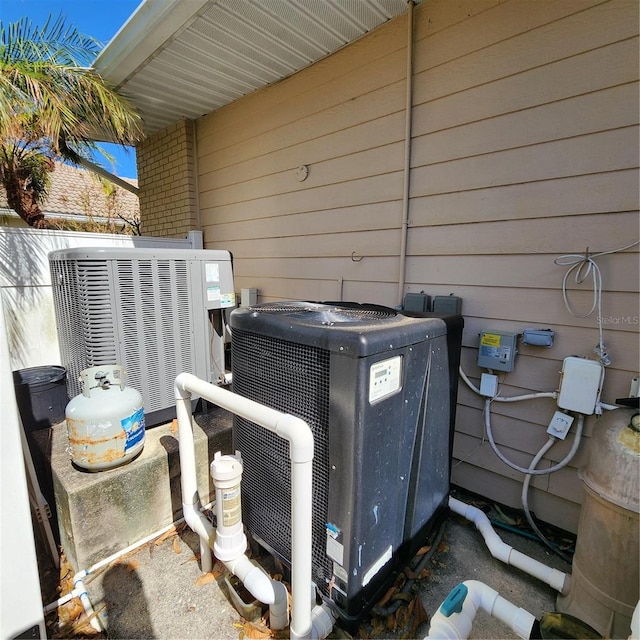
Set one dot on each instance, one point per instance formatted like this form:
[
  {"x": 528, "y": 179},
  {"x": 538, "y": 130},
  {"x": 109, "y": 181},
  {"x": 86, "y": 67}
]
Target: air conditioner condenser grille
[
  {"x": 292, "y": 378},
  {"x": 84, "y": 316},
  {"x": 156, "y": 321}
]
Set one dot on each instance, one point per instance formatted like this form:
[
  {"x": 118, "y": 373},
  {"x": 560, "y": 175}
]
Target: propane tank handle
[{"x": 105, "y": 377}]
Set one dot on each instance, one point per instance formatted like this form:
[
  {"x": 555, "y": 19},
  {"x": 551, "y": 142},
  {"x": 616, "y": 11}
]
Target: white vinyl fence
[{"x": 25, "y": 284}]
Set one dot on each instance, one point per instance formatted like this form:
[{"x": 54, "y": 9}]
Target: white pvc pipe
[
  {"x": 196, "y": 520},
  {"x": 279, "y": 609},
  {"x": 256, "y": 581},
  {"x": 300, "y": 438},
  {"x": 322, "y": 619},
  {"x": 506, "y": 553},
  {"x": 471, "y": 596},
  {"x": 94, "y": 621},
  {"x": 301, "y": 517}
]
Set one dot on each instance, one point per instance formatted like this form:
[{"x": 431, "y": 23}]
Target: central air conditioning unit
[
  {"x": 156, "y": 312},
  {"x": 375, "y": 386}
]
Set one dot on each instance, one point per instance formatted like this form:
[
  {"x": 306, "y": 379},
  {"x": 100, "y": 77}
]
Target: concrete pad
[
  {"x": 100, "y": 513},
  {"x": 155, "y": 592}
]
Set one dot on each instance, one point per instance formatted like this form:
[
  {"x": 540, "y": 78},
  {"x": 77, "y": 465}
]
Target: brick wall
[{"x": 167, "y": 182}]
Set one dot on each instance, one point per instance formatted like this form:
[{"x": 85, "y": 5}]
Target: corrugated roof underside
[{"x": 235, "y": 47}]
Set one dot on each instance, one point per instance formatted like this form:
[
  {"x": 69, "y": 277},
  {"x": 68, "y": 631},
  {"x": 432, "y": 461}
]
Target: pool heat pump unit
[{"x": 375, "y": 388}]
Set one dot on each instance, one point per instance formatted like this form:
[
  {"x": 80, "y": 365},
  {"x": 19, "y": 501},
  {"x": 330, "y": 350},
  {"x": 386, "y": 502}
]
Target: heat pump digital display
[{"x": 384, "y": 378}]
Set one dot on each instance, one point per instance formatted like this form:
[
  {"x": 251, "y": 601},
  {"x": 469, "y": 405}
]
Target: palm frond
[
  {"x": 41, "y": 70},
  {"x": 55, "y": 43},
  {"x": 53, "y": 105}
]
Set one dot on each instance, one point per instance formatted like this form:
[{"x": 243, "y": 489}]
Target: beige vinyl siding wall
[{"x": 524, "y": 147}]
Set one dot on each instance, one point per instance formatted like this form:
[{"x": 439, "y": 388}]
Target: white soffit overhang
[{"x": 185, "y": 58}]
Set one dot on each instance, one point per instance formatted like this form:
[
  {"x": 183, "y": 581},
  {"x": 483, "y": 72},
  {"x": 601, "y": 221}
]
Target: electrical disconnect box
[
  {"x": 447, "y": 305},
  {"x": 497, "y": 350}
]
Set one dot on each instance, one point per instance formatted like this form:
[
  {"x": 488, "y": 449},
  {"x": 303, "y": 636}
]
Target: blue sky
[{"x": 98, "y": 18}]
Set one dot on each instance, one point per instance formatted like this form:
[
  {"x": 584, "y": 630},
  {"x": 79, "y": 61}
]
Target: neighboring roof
[
  {"x": 79, "y": 193},
  {"x": 183, "y": 59}
]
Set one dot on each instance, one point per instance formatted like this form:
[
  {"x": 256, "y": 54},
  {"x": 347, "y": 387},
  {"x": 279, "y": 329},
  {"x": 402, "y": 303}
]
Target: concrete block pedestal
[{"x": 101, "y": 513}]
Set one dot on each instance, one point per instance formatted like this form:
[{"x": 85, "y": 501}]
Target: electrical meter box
[{"x": 497, "y": 350}]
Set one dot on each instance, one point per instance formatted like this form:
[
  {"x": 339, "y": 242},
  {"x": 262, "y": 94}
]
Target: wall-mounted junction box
[
  {"x": 538, "y": 337},
  {"x": 580, "y": 385},
  {"x": 447, "y": 305},
  {"x": 488, "y": 385},
  {"x": 560, "y": 425},
  {"x": 416, "y": 302},
  {"x": 497, "y": 350}
]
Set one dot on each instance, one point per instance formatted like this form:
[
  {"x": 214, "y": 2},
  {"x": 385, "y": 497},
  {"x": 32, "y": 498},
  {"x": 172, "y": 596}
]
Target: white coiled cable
[{"x": 583, "y": 265}]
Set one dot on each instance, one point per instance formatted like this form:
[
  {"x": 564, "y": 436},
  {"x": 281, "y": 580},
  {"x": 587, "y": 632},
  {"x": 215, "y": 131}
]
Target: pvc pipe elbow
[
  {"x": 255, "y": 580},
  {"x": 498, "y": 548},
  {"x": 279, "y": 610},
  {"x": 198, "y": 523},
  {"x": 504, "y": 552},
  {"x": 299, "y": 435},
  {"x": 454, "y": 618},
  {"x": 180, "y": 386},
  {"x": 322, "y": 620}
]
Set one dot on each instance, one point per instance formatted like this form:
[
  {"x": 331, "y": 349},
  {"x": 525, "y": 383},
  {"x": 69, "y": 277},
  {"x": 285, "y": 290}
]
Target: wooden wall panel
[{"x": 573, "y": 195}]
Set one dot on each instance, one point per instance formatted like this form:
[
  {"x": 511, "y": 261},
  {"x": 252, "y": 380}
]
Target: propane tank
[
  {"x": 105, "y": 423},
  {"x": 603, "y": 588}
]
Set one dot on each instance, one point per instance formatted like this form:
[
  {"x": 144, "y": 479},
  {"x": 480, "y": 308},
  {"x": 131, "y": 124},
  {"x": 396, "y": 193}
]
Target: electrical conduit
[
  {"x": 407, "y": 155},
  {"x": 527, "y": 481},
  {"x": 454, "y": 618},
  {"x": 300, "y": 438},
  {"x": 506, "y": 553},
  {"x": 531, "y": 470}
]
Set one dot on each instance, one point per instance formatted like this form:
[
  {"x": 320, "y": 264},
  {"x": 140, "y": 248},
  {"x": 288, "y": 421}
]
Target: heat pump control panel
[{"x": 384, "y": 378}]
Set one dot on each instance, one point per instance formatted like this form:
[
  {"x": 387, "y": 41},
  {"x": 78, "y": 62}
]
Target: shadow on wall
[
  {"x": 26, "y": 292},
  {"x": 25, "y": 283}
]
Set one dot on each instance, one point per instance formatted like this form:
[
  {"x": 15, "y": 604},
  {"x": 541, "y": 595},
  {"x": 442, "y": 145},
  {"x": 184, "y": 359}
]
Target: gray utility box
[
  {"x": 156, "y": 312},
  {"x": 374, "y": 387},
  {"x": 497, "y": 350}
]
